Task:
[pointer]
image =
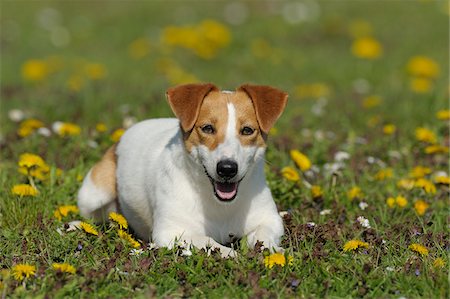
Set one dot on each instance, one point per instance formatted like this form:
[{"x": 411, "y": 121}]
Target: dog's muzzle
[{"x": 225, "y": 186}]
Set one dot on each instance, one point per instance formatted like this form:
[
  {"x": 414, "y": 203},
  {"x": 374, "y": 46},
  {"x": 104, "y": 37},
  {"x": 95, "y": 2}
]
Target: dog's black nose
[{"x": 227, "y": 169}]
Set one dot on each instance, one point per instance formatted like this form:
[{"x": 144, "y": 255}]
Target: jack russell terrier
[{"x": 198, "y": 178}]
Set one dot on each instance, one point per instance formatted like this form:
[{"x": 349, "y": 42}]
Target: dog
[{"x": 197, "y": 178}]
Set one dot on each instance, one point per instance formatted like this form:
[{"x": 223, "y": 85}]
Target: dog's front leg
[
  {"x": 209, "y": 244},
  {"x": 166, "y": 238},
  {"x": 269, "y": 234}
]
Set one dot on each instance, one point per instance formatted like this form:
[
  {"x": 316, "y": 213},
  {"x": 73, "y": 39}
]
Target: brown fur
[
  {"x": 246, "y": 117},
  {"x": 103, "y": 173},
  {"x": 185, "y": 101},
  {"x": 269, "y": 103},
  {"x": 213, "y": 111}
]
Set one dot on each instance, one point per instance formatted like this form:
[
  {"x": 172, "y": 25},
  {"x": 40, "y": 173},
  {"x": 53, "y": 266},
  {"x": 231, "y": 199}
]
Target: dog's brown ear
[
  {"x": 185, "y": 101},
  {"x": 269, "y": 103}
]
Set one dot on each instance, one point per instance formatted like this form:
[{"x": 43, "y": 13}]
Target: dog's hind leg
[{"x": 97, "y": 196}]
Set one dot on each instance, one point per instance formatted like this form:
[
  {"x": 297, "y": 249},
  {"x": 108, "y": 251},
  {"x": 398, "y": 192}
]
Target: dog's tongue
[{"x": 226, "y": 191}]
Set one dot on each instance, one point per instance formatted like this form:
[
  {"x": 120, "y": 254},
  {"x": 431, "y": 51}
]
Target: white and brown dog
[{"x": 199, "y": 178}]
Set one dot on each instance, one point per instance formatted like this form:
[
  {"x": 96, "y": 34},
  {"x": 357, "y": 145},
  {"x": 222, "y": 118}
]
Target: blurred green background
[
  {"x": 101, "y": 55},
  {"x": 369, "y": 78}
]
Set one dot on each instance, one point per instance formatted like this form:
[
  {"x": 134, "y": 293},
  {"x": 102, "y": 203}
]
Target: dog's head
[{"x": 225, "y": 132}]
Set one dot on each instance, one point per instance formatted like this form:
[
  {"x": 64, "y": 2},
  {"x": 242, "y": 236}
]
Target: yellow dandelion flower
[
  {"x": 215, "y": 35},
  {"x": 389, "y": 129},
  {"x": 384, "y": 174},
  {"x": 40, "y": 173},
  {"x": 316, "y": 191},
  {"x": 421, "y": 207},
  {"x": 419, "y": 172},
  {"x": 203, "y": 39},
  {"x": 68, "y": 129},
  {"x": 24, "y": 190},
  {"x": 139, "y": 48},
  {"x": 27, "y": 127},
  {"x": 444, "y": 180},
  {"x": 35, "y": 70},
  {"x": 422, "y": 66},
  {"x": 367, "y": 48},
  {"x": 390, "y": 202},
  {"x": 439, "y": 263},
  {"x": 33, "y": 165},
  {"x": 313, "y": 90},
  {"x": 25, "y": 131},
  {"x": 57, "y": 215},
  {"x": 101, "y": 127},
  {"x": 174, "y": 73},
  {"x": 127, "y": 237},
  {"x": 63, "y": 211},
  {"x": 371, "y": 102},
  {"x": 64, "y": 268},
  {"x": 88, "y": 228},
  {"x": 119, "y": 219},
  {"x": 436, "y": 149},
  {"x": 355, "y": 244},
  {"x": 355, "y": 192},
  {"x": 425, "y": 135},
  {"x": 443, "y": 114},
  {"x": 300, "y": 160},
  {"x": 420, "y": 85},
  {"x": 31, "y": 160},
  {"x": 95, "y": 71},
  {"x": 406, "y": 184},
  {"x": 290, "y": 174},
  {"x": 426, "y": 185},
  {"x": 33, "y": 123},
  {"x": 115, "y": 136},
  {"x": 401, "y": 201},
  {"x": 277, "y": 259},
  {"x": 420, "y": 249},
  {"x": 21, "y": 271}
]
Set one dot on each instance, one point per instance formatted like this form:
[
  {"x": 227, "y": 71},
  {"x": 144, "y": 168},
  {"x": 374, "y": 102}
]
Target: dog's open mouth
[{"x": 225, "y": 191}]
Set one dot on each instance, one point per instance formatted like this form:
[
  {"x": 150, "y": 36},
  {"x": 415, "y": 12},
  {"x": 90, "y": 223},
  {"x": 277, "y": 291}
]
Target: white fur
[
  {"x": 95, "y": 202},
  {"x": 165, "y": 194}
]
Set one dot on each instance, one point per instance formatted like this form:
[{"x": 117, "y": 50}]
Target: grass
[{"x": 265, "y": 49}]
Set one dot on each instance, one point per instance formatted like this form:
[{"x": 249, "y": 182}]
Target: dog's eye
[
  {"x": 208, "y": 129},
  {"x": 247, "y": 131}
]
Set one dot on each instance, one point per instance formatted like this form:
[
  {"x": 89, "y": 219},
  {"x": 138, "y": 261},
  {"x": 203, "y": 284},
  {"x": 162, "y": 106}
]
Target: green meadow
[{"x": 358, "y": 163}]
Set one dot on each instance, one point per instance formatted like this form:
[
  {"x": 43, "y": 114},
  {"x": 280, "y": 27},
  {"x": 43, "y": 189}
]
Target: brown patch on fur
[
  {"x": 246, "y": 117},
  {"x": 213, "y": 111},
  {"x": 269, "y": 103},
  {"x": 103, "y": 173},
  {"x": 185, "y": 101}
]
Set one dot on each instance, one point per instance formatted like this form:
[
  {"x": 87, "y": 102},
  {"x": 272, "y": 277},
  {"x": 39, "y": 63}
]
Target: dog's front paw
[
  {"x": 209, "y": 245},
  {"x": 271, "y": 245},
  {"x": 267, "y": 237},
  {"x": 225, "y": 252}
]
